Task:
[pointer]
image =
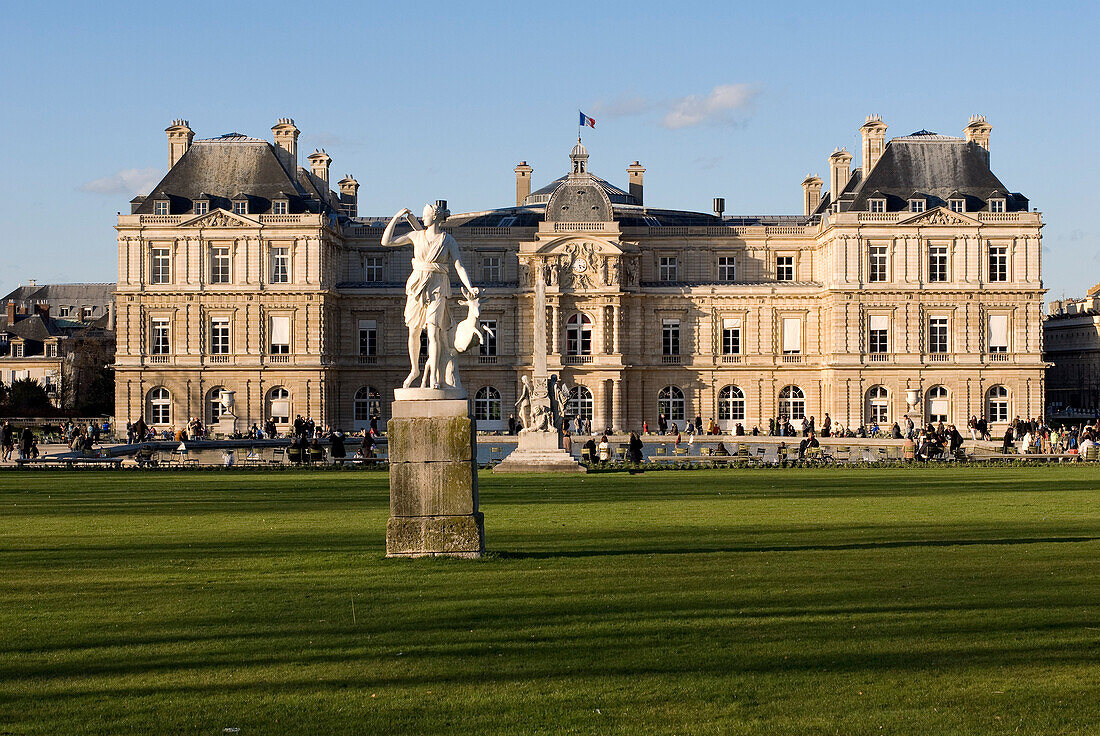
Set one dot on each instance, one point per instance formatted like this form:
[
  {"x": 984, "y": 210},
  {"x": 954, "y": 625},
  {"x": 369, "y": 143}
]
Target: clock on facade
[{"x": 580, "y": 265}]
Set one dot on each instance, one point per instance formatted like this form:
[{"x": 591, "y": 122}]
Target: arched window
[
  {"x": 997, "y": 404},
  {"x": 214, "y": 408},
  {"x": 792, "y": 403},
  {"x": 580, "y": 403},
  {"x": 367, "y": 405},
  {"x": 939, "y": 404},
  {"x": 578, "y": 335},
  {"x": 278, "y": 405},
  {"x": 487, "y": 404},
  {"x": 160, "y": 406},
  {"x": 731, "y": 404},
  {"x": 670, "y": 402},
  {"x": 878, "y": 405}
]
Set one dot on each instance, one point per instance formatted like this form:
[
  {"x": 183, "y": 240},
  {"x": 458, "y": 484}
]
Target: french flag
[{"x": 585, "y": 120}]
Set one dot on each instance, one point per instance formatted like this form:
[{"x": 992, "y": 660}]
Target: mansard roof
[
  {"x": 929, "y": 165},
  {"x": 218, "y": 169}
]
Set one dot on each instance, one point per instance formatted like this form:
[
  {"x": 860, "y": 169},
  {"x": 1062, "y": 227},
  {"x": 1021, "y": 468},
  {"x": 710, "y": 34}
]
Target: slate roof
[
  {"x": 218, "y": 169},
  {"x": 76, "y": 294},
  {"x": 929, "y": 165}
]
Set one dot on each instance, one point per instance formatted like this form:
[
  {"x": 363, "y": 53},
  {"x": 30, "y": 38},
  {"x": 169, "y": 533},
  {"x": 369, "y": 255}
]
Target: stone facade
[
  {"x": 922, "y": 273},
  {"x": 1071, "y": 340}
]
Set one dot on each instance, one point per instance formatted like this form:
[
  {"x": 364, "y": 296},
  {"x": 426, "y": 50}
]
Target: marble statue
[
  {"x": 561, "y": 395},
  {"x": 523, "y": 403},
  {"x": 427, "y": 298}
]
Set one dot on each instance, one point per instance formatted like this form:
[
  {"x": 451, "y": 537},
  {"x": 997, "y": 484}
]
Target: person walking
[
  {"x": 634, "y": 449},
  {"x": 7, "y": 440}
]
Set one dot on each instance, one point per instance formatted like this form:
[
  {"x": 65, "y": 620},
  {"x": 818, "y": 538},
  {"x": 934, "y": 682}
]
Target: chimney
[
  {"x": 180, "y": 136},
  {"x": 719, "y": 206},
  {"x": 42, "y": 310},
  {"x": 11, "y": 312},
  {"x": 873, "y": 133},
  {"x": 977, "y": 131},
  {"x": 523, "y": 182},
  {"x": 286, "y": 144},
  {"x": 318, "y": 164},
  {"x": 349, "y": 195},
  {"x": 634, "y": 173},
  {"x": 839, "y": 172},
  {"x": 811, "y": 194}
]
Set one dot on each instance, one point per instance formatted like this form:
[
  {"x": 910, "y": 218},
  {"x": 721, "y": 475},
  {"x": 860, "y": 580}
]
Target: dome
[{"x": 578, "y": 150}]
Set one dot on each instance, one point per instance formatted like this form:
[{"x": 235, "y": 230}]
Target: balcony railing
[
  {"x": 731, "y": 358},
  {"x": 792, "y": 358},
  {"x": 670, "y": 359},
  {"x": 368, "y": 359},
  {"x": 998, "y": 357},
  {"x": 487, "y": 359},
  {"x": 278, "y": 359},
  {"x": 576, "y": 359},
  {"x": 219, "y": 358},
  {"x": 879, "y": 357},
  {"x": 938, "y": 357},
  {"x": 159, "y": 358}
]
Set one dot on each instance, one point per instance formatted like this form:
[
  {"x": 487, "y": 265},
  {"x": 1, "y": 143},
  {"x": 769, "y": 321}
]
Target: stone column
[
  {"x": 433, "y": 478},
  {"x": 555, "y": 317},
  {"x": 615, "y": 319},
  {"x": 617, "y": 422}
]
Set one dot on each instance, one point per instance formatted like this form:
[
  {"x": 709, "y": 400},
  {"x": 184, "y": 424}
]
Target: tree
[
  {"x": 90, "y": 380},
  {"x": 28, "y": 398}
]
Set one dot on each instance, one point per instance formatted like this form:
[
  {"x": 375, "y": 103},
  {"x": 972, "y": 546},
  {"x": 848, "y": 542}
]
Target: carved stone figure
[
  {"x": 523, "y": 403},
  {"x": 427, "y": 295}
]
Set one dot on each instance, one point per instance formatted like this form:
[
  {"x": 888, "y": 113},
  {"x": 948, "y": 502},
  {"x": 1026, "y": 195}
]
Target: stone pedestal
[
  {"x": 433, "y": 477},
  {"x": 227, "y": 424},
  {"x": 539, "y": 452}
]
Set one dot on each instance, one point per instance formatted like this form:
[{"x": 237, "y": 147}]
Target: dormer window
[
  {"x": 876, "y": 205},
  {"x": 280, "y": 207},
  {"x": 160, "y": 207},
  {"x": 202, "y": 206},
  {"x": 996, "y": 205},
  {"x": 916, "y": 205},
  {"x": 240, "y": 206},
  {"x": 956, "y": 204}
]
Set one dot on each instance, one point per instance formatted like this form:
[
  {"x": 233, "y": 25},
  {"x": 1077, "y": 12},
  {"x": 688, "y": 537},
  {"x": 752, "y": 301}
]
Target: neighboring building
[
  {"x": 58, "y": 353},
  {"x": 244, "y": 272},
  {"x": 1071, "y": 340}
]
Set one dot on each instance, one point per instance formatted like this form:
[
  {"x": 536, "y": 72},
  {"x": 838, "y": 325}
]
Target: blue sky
[{"x": 425, "y": 101}]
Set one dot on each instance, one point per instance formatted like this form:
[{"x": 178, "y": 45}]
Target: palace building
[{"x": 916, "y": 273}]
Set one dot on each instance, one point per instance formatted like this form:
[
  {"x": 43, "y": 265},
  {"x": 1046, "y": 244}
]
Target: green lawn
[{"x": 895, "y": 601}]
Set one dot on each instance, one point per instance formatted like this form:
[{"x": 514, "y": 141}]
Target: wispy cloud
[
  {"x": 720, "y": 107},
  {"x": 726, "y": 104},
  {"x": 125, "y": 181}
]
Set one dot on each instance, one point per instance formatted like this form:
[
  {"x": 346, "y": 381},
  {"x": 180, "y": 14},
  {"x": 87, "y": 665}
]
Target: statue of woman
[
  {"x": 523, "y": 403},
  {"x": 428, "y": 290}
]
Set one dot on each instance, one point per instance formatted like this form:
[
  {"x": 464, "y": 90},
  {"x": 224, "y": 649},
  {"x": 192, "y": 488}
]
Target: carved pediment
[
  {"x": 579, "y": 264},
  {"x": 939, "y": 216},
  {"x": 220, "y": 218}
]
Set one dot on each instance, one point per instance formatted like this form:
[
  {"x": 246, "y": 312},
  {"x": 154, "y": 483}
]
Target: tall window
[
  {"x": 939, "y": 404},
  {"x": 487, "y": 405},
  {"x": 731, "y": 336},
  {"x": 670, "y": 402},
  {"x": 998, "y": 333},
  {"x": 160, "y": 406},
  {"x": 792, "y": 403},
  {"x": 667, "y": 268},
  {"x": 367, "y": 405},
  {"x": 731, "y": 404},
  {"x": 937, "y": 263},
  {"x": 998, "y": 404},
  {"x": 670, "y": 337},
  {"x": 878, "y": 405},
  {"x": 937, "y": 335},
  {"x": 372, "y": 269},
  {"x": 490, "y": 269},
  {"x": 160, "y": 343},
  {"x": 727, "y": 268},
  {"x": 280, "y": 334},
  {"x": 368, "y": 337},
  {"x": 580, "y": 403},
  {"x": 784, "y": 268},
  {"x": 219, "y": 336},
  {"x": 878, "y": 334},
  {"x": 214, "y": 406},
  {"x": 280, "y": 265},
  {"x": 792, "y": 335},
  {"x": 877, "y": 263},
  {"x": 219, "y": 265},
  {"x": 578, "y": 335},
  {"x": 161, "y": 272},
  {"x": 278, "y": 405},
  {"x": 279, "y": 207},
  {"x": 998, "y": 263},
  {"x": 489, "y": 344}
]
